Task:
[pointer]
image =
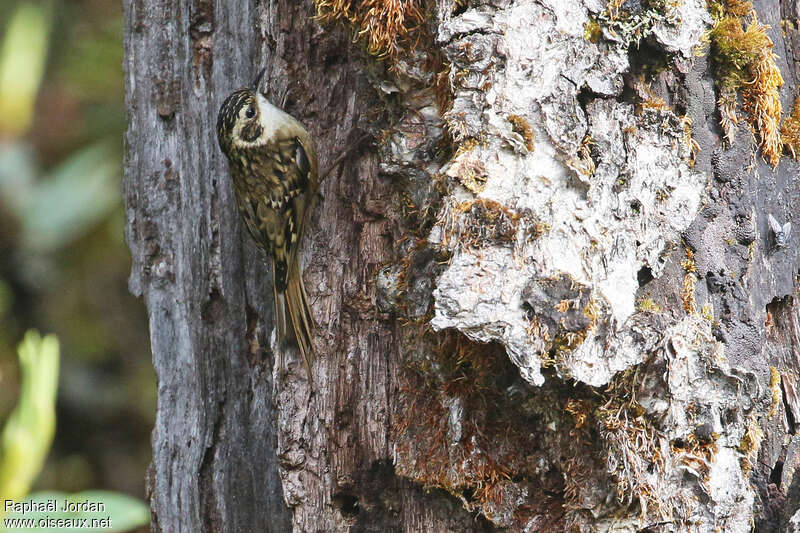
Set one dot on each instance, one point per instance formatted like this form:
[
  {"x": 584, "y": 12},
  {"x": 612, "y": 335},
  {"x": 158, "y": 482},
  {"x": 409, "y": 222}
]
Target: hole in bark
[
  {"x": 790, "y": 420},
  {"x": 333, "y": 58},
  {"x": 459, "y": 8},
  {"x": 716, "y": 281},
  {"x": 777, "y": 472},
  {"x": 214, "y": 307},
  {"x": 648, "y": 58},
  {"x": 347, "y": 503},
  {"x": 585, "y": 97},
  {"x": 644, "y": 276}
]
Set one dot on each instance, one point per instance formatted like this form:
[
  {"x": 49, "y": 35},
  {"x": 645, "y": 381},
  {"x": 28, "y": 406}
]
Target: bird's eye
[{"x": 251, "y": 112}]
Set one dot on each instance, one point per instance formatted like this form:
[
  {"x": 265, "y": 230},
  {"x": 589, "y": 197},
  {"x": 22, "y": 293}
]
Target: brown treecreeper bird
[{"x": 273, "y": 165}]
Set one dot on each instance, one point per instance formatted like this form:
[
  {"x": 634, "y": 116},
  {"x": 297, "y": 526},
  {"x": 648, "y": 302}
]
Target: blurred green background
[{"x": 63, "y": 260}]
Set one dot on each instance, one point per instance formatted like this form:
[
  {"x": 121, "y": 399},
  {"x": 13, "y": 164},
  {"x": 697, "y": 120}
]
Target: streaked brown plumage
[{"x": 273, "y": 165}]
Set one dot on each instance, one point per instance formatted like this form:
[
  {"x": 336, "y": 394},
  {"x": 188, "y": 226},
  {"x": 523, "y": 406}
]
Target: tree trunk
[{"x": 547, "y": 297}]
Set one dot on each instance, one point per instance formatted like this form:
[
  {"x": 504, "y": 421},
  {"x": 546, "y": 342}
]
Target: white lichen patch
[
  {"x": 674, "y": 450},
  {"x": 691, "y": 21},
  {"x": 721, "y": 405},
  {"x": 563, "y": 192},
  {"x": 728, "y": 489},
  {"x": 614, "y": 187},
  {"x": 477, "y": 293}
]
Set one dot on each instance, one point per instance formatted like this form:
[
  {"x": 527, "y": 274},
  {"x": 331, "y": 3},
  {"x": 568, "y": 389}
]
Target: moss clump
[
  {"x": 790, "y": 130},
  {"x": 750, "y": 444},
  {"x": 592, "y": 31},
  {"x": 694, "y": 453},
  {"x": 689, "y": 281},
  {"x": 487, "y": 220},
  {"x": 744, "y": 62},
  {"x": 458, "y": 430},
  {"x": 634, "y": 25},
  {"x": 521, "y": 126},
  {"x": 614, "y": 9},
  {"x": 655, "y": 102},
  {"x": 387, "y": 26},
  {"x": 692, "y": 145},
  {"x": 474, "y": 224},
  {"x": 739, "y": 8},
  {"x": 563, "y": 326},
  {"x": 467, "y": 145},
  {"x": 647, "y": 305},
  {"x": 775, "y": 390},
  {"x": 632, "y": 446}
]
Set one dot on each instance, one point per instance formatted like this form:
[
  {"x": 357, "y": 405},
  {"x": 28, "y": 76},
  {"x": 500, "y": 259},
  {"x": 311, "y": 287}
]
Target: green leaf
[
  {"x": 62, "y": 205},
  {"x": 75, "y": 195},
  {"x": 22, "y": 59},
  {"x": 28, "y": 433}
]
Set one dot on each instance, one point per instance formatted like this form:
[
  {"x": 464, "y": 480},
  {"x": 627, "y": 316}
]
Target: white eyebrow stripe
[
  {"x": 270, "y": 118},
  {"x": 275, "y": 123}
]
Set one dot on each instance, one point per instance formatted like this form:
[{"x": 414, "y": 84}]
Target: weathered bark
[
  {"x": 214, "y": 466},
  {"x": 507, "y": 312},
  {"x": 208, "y": 291}
]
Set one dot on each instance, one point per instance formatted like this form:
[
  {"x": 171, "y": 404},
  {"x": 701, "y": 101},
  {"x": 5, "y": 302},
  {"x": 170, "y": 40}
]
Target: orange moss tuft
[
  {"x": 458, "y": 430},
  {"x": 386, "y": 25},
  {"x": 762, "y": 99},
  {"x": 521, "y": 126},
  {"x": 790, "y": 131},
  {"x": 745, "y": 62},
  {"x": 689, "y": 281}
]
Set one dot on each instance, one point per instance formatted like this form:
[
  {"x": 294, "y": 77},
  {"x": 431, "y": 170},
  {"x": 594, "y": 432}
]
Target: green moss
[
  {"x": 592, "y": 31},
  {"x": 744, "y": 62},
  {"x": 647, "y": 305},
  {"x": 734, "y": 51}
]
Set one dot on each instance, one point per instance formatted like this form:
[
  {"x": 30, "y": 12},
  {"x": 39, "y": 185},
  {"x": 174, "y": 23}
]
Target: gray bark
[
  {"x": 484, "y": 357},
  {"x": 208, "y": 292},
  {"x": 207, "y": 295}
]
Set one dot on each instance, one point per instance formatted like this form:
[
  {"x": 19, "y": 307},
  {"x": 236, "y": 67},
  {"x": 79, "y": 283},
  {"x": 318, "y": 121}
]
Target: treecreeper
[{"x": 273, "y": 166}]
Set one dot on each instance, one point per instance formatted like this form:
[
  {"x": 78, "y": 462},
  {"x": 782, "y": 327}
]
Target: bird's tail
[{"x": 294, "y": 303}]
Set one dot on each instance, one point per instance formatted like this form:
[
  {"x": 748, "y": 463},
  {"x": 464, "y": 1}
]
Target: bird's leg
[
  {"x": 285, "y": 97},
  {"x": 343, "y": 154}
]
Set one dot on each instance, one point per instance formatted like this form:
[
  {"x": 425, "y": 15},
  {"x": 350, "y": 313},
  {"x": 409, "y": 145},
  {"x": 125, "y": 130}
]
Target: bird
[{"x": 274, "y": 171}]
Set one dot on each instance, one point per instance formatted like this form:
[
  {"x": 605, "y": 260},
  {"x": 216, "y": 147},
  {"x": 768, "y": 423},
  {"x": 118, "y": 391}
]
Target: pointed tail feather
[
  {"x": 294, "y": 302},
  {"x": 300, "y": 316},
  {"x": 280, "y": 323}
]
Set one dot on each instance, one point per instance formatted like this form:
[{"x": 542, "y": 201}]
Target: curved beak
[{"x": 257, "y": 85}]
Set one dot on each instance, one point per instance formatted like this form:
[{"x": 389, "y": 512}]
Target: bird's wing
[{"x": 273, "y": 195}]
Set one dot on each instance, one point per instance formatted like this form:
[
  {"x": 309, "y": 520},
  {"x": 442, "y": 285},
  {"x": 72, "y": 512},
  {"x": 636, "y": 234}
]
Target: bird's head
[
  {"x": 239, "y": 123},
  {"x": 245, "y": 117}
]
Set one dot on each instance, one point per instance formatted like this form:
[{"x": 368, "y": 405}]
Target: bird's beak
[{"x": 256, "y": 86}]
